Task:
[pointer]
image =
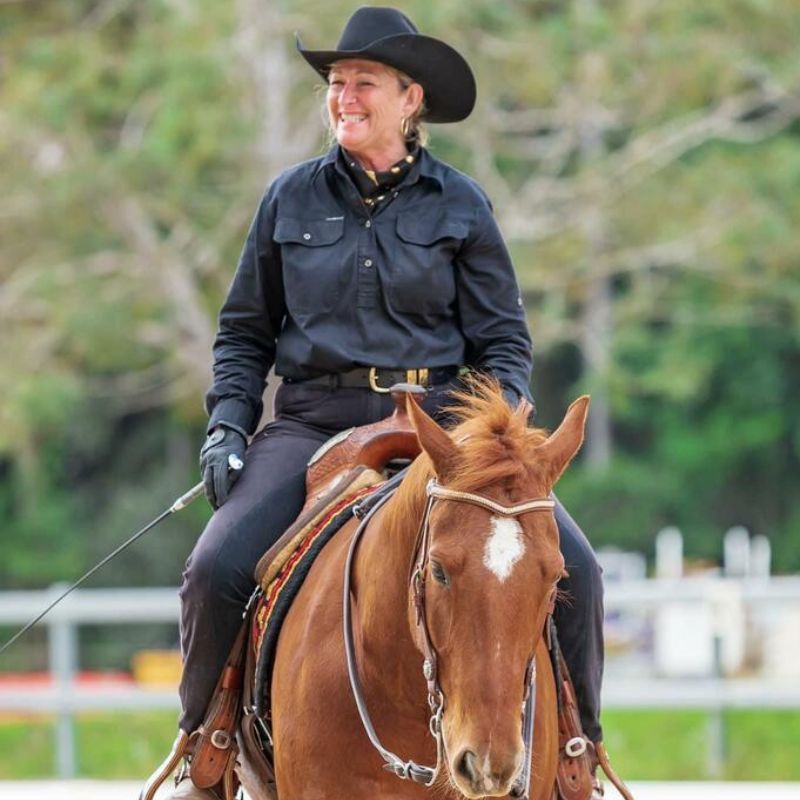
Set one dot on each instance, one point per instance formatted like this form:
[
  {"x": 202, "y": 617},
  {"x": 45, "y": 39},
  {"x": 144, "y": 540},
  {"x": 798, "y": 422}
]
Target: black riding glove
[{"x": 221, "y": 462}]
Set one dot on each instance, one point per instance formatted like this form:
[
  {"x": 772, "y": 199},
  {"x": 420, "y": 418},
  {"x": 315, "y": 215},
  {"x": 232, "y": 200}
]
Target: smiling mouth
[{"x": 352, "y": 117}]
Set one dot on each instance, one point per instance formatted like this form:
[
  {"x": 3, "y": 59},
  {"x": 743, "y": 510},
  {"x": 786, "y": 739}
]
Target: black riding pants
[{"x": 218, "y": 579}]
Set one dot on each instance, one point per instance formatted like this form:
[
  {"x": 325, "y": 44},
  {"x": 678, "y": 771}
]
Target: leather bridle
[{"x": 436, "y": 701}]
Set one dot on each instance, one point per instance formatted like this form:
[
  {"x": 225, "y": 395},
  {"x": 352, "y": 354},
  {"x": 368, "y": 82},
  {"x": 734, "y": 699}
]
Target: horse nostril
[{"x": 466, "y": 766}]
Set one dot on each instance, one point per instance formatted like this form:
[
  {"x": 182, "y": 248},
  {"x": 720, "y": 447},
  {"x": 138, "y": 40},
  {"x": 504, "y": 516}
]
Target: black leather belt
[{"x": 381, "y": 380}]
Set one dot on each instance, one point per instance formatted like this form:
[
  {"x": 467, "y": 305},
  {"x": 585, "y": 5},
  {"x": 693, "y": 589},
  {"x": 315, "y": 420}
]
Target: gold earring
[{"x": 405, "y": 127}]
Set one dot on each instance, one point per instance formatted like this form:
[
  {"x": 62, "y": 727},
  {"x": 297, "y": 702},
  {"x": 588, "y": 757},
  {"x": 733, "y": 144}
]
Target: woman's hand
[{"x": 221, "y": 462}]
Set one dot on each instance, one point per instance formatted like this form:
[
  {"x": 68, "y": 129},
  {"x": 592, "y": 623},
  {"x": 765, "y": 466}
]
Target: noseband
[{"x": 393, "y": 763}]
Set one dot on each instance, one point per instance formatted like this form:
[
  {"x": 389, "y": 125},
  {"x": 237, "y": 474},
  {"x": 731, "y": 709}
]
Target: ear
[
  {"x": 414, "y": 97},
  {"x": 565, "y": 441},
  {"x": 433, "y": 439}
]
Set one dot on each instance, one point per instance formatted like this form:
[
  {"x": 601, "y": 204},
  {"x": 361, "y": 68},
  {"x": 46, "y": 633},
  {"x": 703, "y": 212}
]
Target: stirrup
[{"x": 167, "y": 767}]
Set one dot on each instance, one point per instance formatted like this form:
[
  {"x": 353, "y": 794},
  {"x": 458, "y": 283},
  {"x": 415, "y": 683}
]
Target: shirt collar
[
  {"x": 426, "y": 165},
  {"x": 430, "y": 167},
  {"x": 329, "y": 159}
]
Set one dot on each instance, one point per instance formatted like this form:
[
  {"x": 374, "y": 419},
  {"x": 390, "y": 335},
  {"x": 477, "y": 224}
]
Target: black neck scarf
[{"x": 374, "y": 187}]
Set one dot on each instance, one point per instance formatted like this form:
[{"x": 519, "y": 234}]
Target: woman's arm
[
  {"x": 490, "y": 307},
  {"x": 249, "y": 323}
]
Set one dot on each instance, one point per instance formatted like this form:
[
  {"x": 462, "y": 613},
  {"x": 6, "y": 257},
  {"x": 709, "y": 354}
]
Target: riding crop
[{"x": 184, "y": 500}]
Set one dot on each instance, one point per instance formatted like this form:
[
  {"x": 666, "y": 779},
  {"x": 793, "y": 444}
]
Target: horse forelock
[
  {"x": 495, "y": 443},
  {"x": 496, "y": 447}
]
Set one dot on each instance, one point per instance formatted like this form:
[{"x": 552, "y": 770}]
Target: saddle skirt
[{"x": 282, "y": 578}]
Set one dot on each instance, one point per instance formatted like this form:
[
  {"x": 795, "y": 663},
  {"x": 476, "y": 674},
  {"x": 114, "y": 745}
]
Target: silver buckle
[
  {"x": 575, "y": 747},
  {"x": 221, "y": 739}
]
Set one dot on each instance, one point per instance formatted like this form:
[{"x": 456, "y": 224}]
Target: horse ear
[
  {"x": 562, "y": 445},
  {"x": 433, "y": 439}
]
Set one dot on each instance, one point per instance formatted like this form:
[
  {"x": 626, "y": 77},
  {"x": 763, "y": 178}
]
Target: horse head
[{"x": 488, "y": 577}]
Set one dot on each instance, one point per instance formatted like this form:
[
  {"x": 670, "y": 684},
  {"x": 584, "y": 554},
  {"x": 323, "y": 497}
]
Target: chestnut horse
[{"x": 487, "y": 578}]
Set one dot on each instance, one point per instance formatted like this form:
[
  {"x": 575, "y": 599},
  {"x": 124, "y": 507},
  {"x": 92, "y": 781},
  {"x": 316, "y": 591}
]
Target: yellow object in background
[{"x": 157, "y": 667}]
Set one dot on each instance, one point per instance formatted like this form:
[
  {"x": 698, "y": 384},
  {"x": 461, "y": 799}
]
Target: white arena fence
[{"x": 640, "y": 688}]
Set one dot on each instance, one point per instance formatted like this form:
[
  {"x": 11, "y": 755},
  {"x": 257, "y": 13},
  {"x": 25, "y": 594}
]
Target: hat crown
[{"x": 370, "y": 23}]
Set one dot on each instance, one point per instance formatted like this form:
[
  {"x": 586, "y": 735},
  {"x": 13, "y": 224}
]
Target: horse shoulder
[{"x": 309, "y": 678}]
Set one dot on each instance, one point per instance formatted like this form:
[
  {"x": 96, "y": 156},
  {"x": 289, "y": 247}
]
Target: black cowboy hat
[{"x": 388, "y": 36}]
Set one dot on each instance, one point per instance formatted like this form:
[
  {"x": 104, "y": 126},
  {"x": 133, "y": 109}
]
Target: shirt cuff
[{"x": 233, "y": 413}]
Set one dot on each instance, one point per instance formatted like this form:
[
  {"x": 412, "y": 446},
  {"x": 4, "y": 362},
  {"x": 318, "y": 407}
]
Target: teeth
[{"x": 352, "y": 117}]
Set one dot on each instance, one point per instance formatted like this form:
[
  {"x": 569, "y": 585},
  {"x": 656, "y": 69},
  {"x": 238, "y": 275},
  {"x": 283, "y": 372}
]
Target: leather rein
[{"x": 436, "y": 701}]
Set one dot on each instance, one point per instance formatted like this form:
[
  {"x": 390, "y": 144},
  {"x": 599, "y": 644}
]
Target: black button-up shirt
[{"x": 324, "y": 285}]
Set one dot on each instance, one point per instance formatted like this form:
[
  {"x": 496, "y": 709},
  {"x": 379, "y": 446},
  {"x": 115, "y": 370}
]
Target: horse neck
[{"x": 382, "y": 570}]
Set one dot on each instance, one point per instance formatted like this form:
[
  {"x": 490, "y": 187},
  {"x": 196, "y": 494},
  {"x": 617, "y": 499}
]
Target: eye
[{"x": 439, "y": 574}]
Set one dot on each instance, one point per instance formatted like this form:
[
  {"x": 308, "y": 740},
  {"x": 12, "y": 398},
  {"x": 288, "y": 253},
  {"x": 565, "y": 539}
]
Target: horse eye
[{"x": 439, "y": 574}]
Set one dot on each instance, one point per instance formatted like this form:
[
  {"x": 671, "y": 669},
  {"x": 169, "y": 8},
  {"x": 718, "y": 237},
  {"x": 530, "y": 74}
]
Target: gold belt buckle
[
  {"x": 373, "y": 381},
  {"x": 417, "y": 376}
]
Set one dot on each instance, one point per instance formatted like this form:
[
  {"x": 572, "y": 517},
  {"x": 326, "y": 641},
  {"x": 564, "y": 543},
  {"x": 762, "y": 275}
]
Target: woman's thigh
[
  {"x": 262, "y": 504},
  {"x": 271, "y": 490}
]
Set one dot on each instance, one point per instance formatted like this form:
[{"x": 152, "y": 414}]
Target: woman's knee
[
  {"x": 583, "y": 561},
  {"x": 215, "y": 573},
  {"x": 580, "y": 560}
]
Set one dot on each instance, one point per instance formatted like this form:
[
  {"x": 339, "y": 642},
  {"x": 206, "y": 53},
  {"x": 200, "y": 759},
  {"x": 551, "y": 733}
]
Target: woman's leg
[
  {"x": 579, "y": 620},
  {"x": 218, "y": 580}
]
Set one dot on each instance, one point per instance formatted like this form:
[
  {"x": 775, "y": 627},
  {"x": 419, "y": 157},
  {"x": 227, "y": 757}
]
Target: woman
[{"x": 369, "y": 261}]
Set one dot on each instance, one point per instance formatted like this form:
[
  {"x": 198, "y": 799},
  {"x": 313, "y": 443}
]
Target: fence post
[
  {"x": 717, "y": 734},
  {"x": 63, "y": 650}
]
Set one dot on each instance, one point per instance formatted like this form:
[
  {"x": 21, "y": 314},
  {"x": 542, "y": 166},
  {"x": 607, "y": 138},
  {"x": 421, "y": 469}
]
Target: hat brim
[{"x": 440, "y": 69}]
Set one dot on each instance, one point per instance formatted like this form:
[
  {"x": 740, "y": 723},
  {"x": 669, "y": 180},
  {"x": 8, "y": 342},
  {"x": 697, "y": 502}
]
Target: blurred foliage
[{"x": 643, "y": 160}]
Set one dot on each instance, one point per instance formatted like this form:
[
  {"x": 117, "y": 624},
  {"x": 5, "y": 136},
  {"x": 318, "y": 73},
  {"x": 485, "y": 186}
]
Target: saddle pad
[{"x": 274, "y": 603}]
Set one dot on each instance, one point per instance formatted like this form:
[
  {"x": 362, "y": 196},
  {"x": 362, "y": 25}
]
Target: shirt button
[
  {"x": 306, "y": 236},
  {"x": 367, "y": 262},
  {"x": 368, "y": 223}
]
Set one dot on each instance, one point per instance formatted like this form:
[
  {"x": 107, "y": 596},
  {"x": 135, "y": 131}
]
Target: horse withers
[{"x": 450, "y": 588}]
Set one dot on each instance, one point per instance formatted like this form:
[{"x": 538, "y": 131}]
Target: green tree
[{"x": 642, "y": 159}]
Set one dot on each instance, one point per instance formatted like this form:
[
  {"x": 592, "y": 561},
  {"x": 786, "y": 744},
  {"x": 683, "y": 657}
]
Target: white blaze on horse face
[{"x": 504, "y": 547}]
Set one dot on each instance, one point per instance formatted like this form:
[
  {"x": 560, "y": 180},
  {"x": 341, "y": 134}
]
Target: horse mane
[
  {"x": 496, "y": 446},
  {"x": 495, "y": 443}
]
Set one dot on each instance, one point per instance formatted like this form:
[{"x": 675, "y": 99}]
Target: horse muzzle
[{"x": 485, "y": 774}]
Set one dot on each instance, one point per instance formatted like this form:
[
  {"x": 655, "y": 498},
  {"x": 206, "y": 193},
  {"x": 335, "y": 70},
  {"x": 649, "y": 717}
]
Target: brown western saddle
[{"x": 233, "y": 746}]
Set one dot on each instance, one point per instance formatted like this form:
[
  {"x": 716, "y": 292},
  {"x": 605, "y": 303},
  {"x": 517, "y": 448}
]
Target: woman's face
[{"x": 366, "y": 105}]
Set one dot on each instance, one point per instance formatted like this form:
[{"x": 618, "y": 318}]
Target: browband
[{"x": 435, "y": 489}]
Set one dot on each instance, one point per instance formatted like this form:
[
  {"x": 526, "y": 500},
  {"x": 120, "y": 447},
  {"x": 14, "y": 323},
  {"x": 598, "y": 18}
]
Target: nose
[
  {"x": 486, "y": 776},
  {"x": 347, "y": 95}
]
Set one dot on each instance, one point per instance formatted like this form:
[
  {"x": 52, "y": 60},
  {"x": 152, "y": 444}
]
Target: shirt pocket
[
  {"x": 311, "y": 253},
  {"x": 422, "y": 277}
]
